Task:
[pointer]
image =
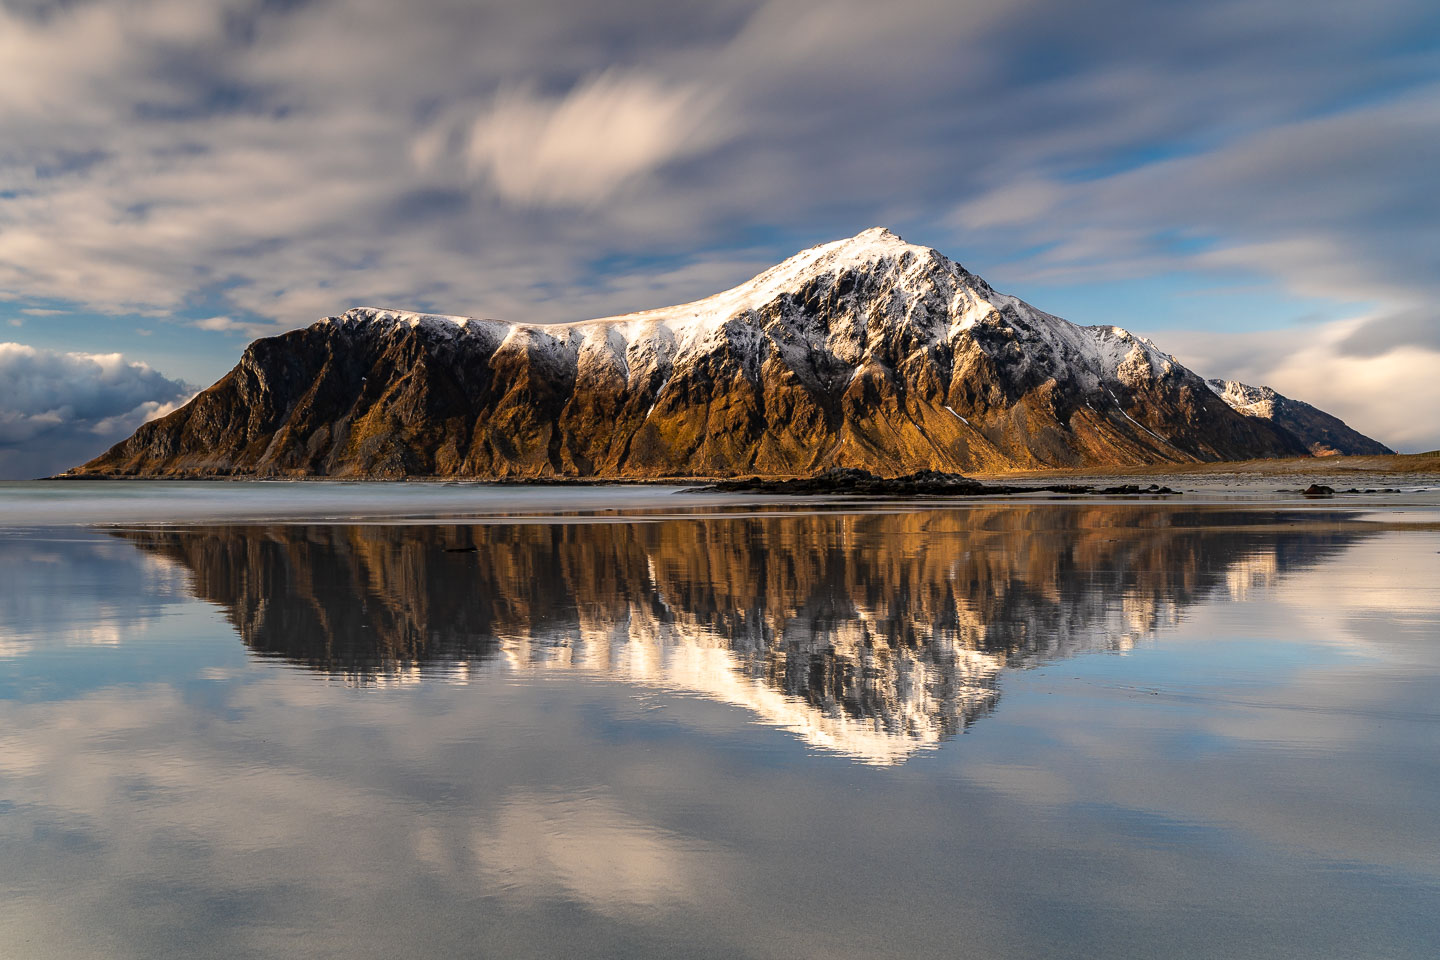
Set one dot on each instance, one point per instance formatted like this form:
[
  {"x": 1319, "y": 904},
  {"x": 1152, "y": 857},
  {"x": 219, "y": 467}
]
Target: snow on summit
[{"x": 911, "y": 286}]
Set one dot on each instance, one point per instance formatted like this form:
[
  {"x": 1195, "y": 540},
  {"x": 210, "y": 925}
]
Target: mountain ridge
[
  {"x": 1323, "y": 434},
  {"x": 866, "y": 352}
]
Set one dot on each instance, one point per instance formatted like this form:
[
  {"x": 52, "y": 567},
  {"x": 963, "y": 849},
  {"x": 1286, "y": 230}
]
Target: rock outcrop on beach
[{"x": 866, "y": 353}]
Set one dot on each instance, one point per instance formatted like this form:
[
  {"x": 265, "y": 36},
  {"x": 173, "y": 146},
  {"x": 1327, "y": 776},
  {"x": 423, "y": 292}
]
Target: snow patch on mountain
[
  {"x": 1251, "y": 401},
  {"x": 876, "y": 284}
]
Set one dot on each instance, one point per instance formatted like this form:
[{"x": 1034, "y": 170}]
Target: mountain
[
  {"x": 1322, "y": 434},
  {"x": 867, "y": 352}
]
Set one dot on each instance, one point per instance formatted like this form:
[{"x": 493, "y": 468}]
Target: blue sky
[{"x": 1250, "y": 183}]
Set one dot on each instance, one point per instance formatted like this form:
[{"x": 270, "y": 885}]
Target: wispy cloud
[
  {"x": 246, "y": 328},
  {"x": 582, "y": 147}
]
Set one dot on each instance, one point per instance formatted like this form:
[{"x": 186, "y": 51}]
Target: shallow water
[{"x": 1068, "y": 729}]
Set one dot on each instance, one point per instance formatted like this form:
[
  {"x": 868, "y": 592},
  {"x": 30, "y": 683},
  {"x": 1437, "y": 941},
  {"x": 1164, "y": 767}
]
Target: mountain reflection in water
[{"x": 875, "y": 635}]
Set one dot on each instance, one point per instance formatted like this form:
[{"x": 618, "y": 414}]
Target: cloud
[
  {"x": 223, "y": 324},
  {"x": 1013, "y": 203},
  {"x": 578, "y": 149},
  {"x": 1380, "y": 335},
  {"x": 58, "y": 409},
  {"x": 1331, "y": 206},
  {"x": 278, "y": 159},
  {"x": 271, "y": 163}
]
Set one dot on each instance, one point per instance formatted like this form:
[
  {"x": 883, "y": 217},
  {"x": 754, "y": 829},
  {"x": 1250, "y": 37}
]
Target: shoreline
[{"x": 1410, "y": 466}]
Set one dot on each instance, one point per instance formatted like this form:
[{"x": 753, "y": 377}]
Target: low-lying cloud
[{"x": 58, "y": 409}]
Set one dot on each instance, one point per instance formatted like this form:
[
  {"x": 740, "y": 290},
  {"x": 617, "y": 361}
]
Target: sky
[{"x": 1252, "y": 184}]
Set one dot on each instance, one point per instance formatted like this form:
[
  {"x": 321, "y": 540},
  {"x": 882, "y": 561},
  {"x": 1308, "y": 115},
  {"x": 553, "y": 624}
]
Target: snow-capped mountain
[
  {"x": 1322, "y": 434},
  {"x": 867, "y": 352}
]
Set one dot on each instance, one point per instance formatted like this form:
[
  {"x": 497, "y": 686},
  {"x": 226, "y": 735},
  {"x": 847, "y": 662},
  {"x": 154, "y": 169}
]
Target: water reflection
[
  {"x": 874, "y": 635},
  {"x": 1260, "y": 780}
]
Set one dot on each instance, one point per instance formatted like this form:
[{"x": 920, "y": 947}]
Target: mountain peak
[
  {"x": 869, "y": 249},
  {"x": 869, "y": 245}
]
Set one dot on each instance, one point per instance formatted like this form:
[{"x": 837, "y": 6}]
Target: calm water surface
[{"x": 1065, "y": 729}]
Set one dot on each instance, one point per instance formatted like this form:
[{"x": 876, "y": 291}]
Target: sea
[{"x": 381, "y": 720}]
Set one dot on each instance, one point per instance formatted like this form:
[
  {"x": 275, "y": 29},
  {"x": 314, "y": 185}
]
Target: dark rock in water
[
  {"x": 849, "y": 480},
  {"x": 1131, "y": 488},
  {"x": 921, "y": 483},
  {"x": 1318, "y": 490}
]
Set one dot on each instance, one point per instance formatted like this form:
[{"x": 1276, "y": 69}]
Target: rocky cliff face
[
  {"x": 867, "y": 352},
  {"x": 1322, "y": 434}
]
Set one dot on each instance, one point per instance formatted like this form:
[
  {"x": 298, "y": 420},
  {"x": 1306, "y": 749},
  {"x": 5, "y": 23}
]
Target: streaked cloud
[
  {"x": 578, "y": 149},
  {"x": 1379, "y": 335},
  {"x": 224, "y": 324}
]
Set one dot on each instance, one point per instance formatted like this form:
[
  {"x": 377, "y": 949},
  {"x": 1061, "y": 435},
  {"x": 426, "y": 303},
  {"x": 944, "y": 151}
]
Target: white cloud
[
  {"x": 1014, "y": 203},
  {"x": 578, "y": 149},
  {"x": 225, "y": 324},
  {"x": 57, "y": 409}
]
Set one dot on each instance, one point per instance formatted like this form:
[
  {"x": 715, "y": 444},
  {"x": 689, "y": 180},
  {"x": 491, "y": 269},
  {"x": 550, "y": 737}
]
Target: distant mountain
[
  {"x": 1322, "y": 434},
  {"x": 867, "y": 352}
]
